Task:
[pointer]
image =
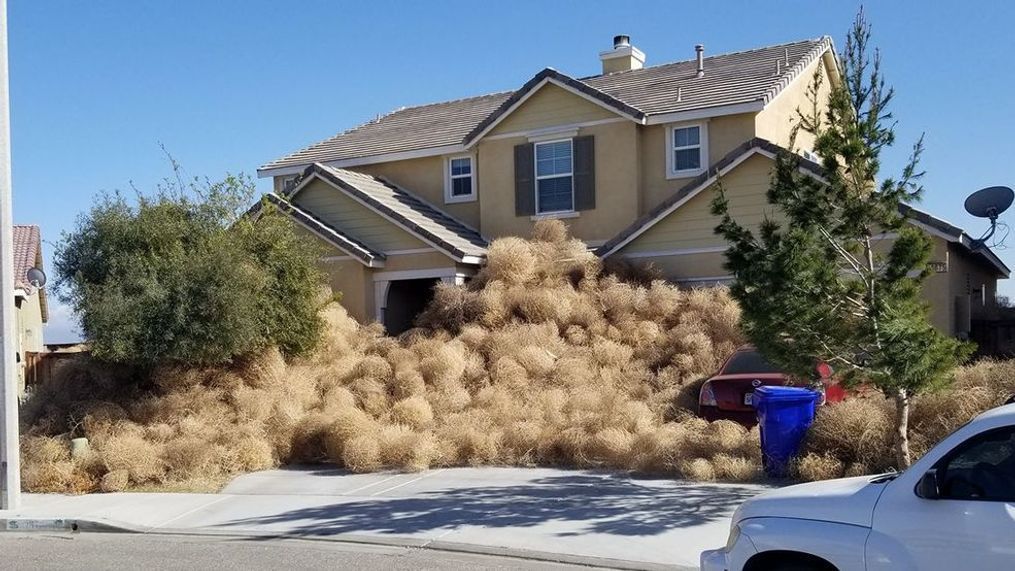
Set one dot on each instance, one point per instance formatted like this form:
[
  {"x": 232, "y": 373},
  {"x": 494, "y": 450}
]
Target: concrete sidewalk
[{"x": 590, "y": 517}]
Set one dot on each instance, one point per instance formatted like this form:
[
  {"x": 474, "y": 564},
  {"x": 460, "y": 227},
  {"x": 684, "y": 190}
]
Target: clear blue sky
[{"x": 228, "y": 85}]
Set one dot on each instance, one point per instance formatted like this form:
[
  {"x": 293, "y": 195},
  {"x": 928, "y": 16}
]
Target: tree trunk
[{"x": 902, "y": 428}]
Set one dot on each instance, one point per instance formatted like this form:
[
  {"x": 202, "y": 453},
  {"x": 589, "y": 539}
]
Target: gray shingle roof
[
  {"x": 406, "y": 210},
  {"x": 741, "y": 77},
  {"x": 407, "y": 129}
]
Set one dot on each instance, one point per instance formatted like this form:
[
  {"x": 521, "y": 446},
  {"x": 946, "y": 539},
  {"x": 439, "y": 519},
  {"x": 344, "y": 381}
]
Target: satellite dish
[
  {"x": 36, "y": 277},
  {"x": 989, "y": 202}
]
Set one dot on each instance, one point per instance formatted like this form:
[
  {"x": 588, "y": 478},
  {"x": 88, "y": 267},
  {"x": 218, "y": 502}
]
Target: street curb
[
  {"x": 94, "y": 526},
  {"x": 25, "y": 524}
]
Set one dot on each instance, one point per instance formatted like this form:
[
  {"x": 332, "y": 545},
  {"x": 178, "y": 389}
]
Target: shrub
[{"x": 181, "y": 278}]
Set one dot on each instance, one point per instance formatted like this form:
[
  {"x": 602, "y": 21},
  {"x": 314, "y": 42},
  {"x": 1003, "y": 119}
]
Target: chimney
[
  {"x": 700, "y": 49},
  {"x": 623, "y": 56}
]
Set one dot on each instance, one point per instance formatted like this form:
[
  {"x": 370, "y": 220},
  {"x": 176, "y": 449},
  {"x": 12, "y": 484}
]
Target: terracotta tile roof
[
  {"x": 28, "y": 254},
  {"x": 753, "y": 76},
  {"x": 406, "y": 210}
]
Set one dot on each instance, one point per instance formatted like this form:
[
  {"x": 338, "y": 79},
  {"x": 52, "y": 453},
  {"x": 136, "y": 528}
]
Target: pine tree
[{"x": 838, "y": 276}]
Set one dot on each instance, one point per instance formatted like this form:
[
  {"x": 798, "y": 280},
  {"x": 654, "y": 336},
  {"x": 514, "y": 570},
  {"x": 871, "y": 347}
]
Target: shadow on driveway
[{"x": 591, "y": 502}]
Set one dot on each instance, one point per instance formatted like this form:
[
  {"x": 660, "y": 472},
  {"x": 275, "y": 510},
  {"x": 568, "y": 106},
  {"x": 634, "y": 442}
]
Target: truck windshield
[{"x": 745, "y": 362}]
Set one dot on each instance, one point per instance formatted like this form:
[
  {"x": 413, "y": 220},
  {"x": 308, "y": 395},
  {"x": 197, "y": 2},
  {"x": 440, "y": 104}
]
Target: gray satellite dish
[
  {"x": 989, "y": 202},
  {"x": 36, "y": 277}
]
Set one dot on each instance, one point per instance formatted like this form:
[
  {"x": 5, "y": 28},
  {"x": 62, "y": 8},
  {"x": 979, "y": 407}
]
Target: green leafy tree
[
  {"x": 182, "y": 276},
  {"x": 827, "y": 280}
]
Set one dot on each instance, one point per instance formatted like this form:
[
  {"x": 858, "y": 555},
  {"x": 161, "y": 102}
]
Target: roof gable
[
  {"x": 344, "y": 242},
  {"x": 402, "y": 209},
  {"x": 547, "y": 77},
  {"x": 770, "y": 150}
]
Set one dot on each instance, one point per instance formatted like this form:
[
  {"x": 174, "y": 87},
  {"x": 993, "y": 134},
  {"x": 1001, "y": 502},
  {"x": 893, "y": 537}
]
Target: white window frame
[
  {"x": 535, "y": 173},
  {"x": 671, "y": 149},
  {"x": 450, "y": 198}
]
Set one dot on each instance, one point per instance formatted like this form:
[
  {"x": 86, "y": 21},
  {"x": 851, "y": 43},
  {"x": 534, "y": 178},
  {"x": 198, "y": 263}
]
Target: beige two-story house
[{"x": 627, "y": 158}]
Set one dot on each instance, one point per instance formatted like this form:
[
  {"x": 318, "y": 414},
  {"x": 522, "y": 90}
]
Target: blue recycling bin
[{"x": 784, "y": 415}]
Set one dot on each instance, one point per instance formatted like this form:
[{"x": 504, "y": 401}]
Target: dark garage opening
[{"x": 406, "y": 300}]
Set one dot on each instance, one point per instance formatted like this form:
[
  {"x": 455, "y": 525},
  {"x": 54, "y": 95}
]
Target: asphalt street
[{"x": 100, "y": 551}]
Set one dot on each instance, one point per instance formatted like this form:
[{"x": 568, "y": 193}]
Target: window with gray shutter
[
  {"x": 525, "y": 181},
  {"x": 584, "y": 173}
]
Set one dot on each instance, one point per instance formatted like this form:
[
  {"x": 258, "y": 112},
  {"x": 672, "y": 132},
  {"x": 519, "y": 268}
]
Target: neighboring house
[
  {"x": 627, "y": 158},
  {"x": 32, "y": 309}
]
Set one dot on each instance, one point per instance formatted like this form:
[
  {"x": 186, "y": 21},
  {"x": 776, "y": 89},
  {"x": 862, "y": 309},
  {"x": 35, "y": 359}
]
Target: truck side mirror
[{"x": 928, "y": 488}]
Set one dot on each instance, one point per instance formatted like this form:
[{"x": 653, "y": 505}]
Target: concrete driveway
[{"x": 592, "y": 517}]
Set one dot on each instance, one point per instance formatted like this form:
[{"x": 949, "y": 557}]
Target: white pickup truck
[{"x": 953, "y": 509}]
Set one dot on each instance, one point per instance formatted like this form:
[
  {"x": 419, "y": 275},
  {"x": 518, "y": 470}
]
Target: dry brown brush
[
  {"x": 542, "y": 359},
  {"x": 855, "y": 437}
]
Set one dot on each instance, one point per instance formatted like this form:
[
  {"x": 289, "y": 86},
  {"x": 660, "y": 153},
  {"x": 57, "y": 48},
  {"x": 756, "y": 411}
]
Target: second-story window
[
  {"x": 459, "y": 180},
  {"x": 554, "y": 177},
  {"x": 687, "y": 150}
]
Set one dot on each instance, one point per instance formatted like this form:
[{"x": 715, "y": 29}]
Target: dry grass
[{"x": 543, "y": 359}]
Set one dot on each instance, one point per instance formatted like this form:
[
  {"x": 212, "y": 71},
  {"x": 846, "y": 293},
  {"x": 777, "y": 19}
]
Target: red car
[{"x": 729, "y": 393}]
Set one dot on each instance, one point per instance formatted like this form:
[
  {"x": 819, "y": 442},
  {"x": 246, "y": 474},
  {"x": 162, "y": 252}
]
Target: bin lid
[{"x": 778, "y": 393}]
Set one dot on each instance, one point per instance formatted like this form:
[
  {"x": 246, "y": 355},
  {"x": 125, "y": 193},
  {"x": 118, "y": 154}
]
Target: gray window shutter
[
  {"x": 584, "y": 173},
  {"x": 525, "y": 180}
]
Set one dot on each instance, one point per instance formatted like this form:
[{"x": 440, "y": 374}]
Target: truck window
[{"x": 982, "y": 468}]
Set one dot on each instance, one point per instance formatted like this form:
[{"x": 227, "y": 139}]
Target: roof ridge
[
  {"x": 590, "y": 86},
  {"x": 724, "y": 54},
  {"x": 788, "y": 76},
  {"x": 459, "y": 100}
]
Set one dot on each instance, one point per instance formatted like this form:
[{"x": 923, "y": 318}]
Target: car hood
[{"x": 847, "y": 500}]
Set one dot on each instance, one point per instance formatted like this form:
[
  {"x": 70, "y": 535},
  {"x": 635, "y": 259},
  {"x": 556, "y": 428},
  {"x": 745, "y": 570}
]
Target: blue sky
[{"x": 228, "y": 85}]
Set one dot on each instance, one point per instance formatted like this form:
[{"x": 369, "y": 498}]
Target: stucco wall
[
  {"x": 356, "y": 281},
  {"x": 616, "y": 160},
  {"x": 776, "y": 121},
  {"x": 968, "y": 275},
  {"x": 724, "y": 135},
  {"x": 352, "y": 279},
  {"x": 29, "y": 322}
]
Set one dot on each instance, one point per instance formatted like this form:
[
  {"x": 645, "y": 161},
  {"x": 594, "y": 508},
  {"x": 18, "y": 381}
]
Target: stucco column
[{"x": 380, "y": 299}]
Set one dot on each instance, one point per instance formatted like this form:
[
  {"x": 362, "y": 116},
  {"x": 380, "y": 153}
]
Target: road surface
[{"x": 62, "y": 551}]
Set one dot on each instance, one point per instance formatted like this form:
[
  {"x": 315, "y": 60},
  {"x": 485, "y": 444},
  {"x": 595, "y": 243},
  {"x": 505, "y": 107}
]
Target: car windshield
[{"x": 745, "y": 362}]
